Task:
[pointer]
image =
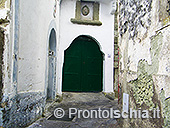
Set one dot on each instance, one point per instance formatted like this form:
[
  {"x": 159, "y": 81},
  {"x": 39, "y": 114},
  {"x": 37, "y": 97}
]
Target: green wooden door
[{"x": 83, "y": 66}]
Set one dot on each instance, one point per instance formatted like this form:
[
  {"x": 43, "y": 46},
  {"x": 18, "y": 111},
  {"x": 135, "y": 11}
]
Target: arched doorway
[
  {"x": 51, "y": 66},
  {"x": 83, "y": 66}
]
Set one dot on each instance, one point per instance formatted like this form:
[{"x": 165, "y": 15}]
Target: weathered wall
[
  {"x": 24, "y": 34},
  {"x": 4, "y": 40},
  {"x": 144, "y": 28},
  {"x": 4, "y": 52},
  {"x": 1, "y": 59},
  {"x": 116, "y": 53},
  {"x": 23, "y": 109}
]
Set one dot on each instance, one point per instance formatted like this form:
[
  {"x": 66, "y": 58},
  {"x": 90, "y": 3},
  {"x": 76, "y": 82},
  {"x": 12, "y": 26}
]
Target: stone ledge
[
  {"x": 86, "y": 22},
  {"x": 109, "y": 95}
]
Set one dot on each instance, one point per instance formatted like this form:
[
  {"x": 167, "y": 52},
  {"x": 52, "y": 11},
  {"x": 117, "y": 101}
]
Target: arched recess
[
  {"x": 51, "y": 66},
  {"x": 83, "y": 66}
]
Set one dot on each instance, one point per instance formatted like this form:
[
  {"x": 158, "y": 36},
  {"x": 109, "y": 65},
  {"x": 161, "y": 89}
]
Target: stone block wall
[
  {"x": 144, "y": 31},
  {"x": 23, "y": 109}
]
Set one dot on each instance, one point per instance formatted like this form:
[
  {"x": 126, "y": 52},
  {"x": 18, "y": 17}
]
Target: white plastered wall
[
  {"x": 36, "y": 21},
  {"x": 104, "y": 34}
]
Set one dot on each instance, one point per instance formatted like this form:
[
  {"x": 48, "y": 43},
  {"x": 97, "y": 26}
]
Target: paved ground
[{"x": 80, "y": 101}]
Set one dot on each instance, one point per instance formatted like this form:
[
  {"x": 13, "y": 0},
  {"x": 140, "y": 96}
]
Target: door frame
[
  {"x": 103, "y": 56},
  {"x": 52, "y": 26},
  {"x": 108, "y": 60},
  {"x": 51, "y": 66}
]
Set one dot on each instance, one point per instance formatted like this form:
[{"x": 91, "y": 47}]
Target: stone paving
[{"x": 80, "y": 101}]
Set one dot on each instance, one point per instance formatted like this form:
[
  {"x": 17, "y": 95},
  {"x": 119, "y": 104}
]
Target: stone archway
[
  {"x": 83, "y": 66},
  {"x": 51, "y": 66}
]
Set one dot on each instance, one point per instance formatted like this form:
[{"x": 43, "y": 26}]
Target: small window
[{"x": 87, "y": 13}]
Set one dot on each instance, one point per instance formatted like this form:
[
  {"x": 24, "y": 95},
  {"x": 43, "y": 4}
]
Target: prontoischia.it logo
[{"x": 109, "y": 113}]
